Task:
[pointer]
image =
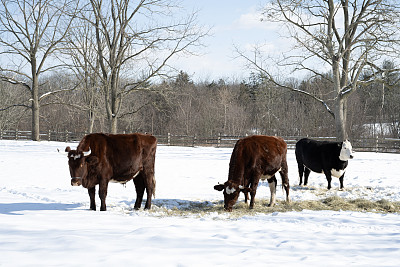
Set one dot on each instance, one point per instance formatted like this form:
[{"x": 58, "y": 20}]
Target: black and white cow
[{"x": 325, "y": 157}]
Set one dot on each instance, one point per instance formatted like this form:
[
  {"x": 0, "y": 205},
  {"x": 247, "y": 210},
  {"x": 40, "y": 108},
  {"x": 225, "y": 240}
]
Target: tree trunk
[
  {"x": 35, "y": 120},
  {"x": 340, "y": 105},
  {"x": 340, "y": 119},
  {"x": 113, "y": 124},
  {"x": 35, "y": 105},
  {"x": 91, "y": 121}
]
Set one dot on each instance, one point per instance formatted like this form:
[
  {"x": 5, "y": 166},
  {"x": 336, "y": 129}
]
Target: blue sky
[{"x": 234, "y": 23}]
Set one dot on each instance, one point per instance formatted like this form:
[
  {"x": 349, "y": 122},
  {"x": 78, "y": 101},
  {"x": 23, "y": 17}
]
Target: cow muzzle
[
  {"x": 76, "y": 181},
  {"x": 229, "y": 209}
]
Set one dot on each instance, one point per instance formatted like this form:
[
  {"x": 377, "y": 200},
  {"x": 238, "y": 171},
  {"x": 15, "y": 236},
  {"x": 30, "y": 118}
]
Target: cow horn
[
  {"x": 85, "y": 154},
  {"x": 62, "y": 153}
]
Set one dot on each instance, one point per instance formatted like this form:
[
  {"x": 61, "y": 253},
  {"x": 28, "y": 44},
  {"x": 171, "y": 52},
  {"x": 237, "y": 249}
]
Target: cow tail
[
  {"x": 153, "y": 178},
  {"x": 285, "y": 175},
  {"x": 236, "y": 170},
  {"x": 154, "y": 185},
  {"x": 84, "y": 144},
  {"x": 232, "y": 162}
]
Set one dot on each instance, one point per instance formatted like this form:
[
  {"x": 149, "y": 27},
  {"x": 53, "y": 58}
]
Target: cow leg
[
  {"x": 103, "y": 187},
  {"x": 92, "y": 195},
  {"x": 301, "y": 171},
  {"x": 246, "y": 196},
  {"x": 341, "y": 181},
  {"x": 329, "y": 178},
  {"x": 252, "y": 198},
  {"x": 253, "y": 191},
  {"x": 150, "y": 184},
  {"x": 306, "y": 174},
  {"x": 139, "y": 185},
  {"x": 272, "y": 187}
]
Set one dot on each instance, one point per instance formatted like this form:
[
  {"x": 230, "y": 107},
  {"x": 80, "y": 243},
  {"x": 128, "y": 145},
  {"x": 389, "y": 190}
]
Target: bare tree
[
  {"x": 345, "y": 37},
  {"x": 136, "y": 40},
  {"x": 11, "y": 113},
  {"x": 83, "y": 59},
  {"x": 30, "y": 33}
]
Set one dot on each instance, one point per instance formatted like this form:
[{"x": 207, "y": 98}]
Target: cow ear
[
  {"x": 246, "y": 190},
  {"x": 92, "y": 160},
  {"x": 67, "y": 149},
  {"x": 219, "y": 187}
]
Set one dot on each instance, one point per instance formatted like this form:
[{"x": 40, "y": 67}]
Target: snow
[{"x": 45, "y": 221}]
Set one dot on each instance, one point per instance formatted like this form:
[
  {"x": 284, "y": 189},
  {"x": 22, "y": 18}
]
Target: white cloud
[{"x": 252, "y": 20}]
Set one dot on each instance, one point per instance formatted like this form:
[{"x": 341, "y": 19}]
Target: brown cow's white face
[
  {"x": 346, "y": 152},
  {"x": 77, "y": 162},
  {"x": 231, "y": 193}
]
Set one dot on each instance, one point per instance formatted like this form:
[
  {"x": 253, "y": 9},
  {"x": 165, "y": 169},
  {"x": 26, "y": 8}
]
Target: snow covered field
[{"x": 46, "y": 222}]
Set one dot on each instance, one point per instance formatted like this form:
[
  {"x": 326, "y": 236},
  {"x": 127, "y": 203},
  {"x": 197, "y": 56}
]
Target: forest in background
[{"x": 181, "y": 106}]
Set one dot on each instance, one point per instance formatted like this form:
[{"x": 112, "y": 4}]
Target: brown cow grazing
[
  {"x": 254, "y": 158},
  {"x": 101, "y": 158}
]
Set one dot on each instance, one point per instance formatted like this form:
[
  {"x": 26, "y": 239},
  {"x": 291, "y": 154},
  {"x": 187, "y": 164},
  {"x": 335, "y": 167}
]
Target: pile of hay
[{"x": 241, "y": 209}]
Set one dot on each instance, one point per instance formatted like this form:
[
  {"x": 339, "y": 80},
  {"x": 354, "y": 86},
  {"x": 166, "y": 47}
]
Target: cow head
[
  {"x": 78, "y": 162},
  {"x": 346, "y": 152},
  {"x": 231, "y": 193}
]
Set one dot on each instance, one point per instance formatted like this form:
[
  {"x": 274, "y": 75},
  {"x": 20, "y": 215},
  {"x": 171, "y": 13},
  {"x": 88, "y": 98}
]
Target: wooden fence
[{"x": 378, "y": 144}]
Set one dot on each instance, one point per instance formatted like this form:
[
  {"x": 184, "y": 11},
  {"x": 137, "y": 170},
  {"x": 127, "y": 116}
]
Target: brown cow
[
  {"x": 254, "y": 158},
  {"x": 101, "y": 158}
]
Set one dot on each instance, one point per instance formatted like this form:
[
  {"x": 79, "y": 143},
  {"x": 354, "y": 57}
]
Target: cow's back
[
  {"x": 317, "y": 155},
  {"x": 258, "y": 152},
  {"x": 120, "y": 154}
]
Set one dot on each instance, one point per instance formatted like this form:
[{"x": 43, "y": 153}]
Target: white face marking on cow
[
  {"x": 229, "y": 191},
  {"x": 337, "y": 173},
  {"x": 75, "y": 156},
  {"x": 346, "y": 151}
]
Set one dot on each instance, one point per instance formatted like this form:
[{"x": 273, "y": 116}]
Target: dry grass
[{"x": 201, "y": 209}]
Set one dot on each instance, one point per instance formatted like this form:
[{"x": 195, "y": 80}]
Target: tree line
[
  {"x": 182, "y": 107},
  {"x": 103, "y": 66}
]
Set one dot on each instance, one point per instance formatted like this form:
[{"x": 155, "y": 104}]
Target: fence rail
[{"x": 378, "y": 144}]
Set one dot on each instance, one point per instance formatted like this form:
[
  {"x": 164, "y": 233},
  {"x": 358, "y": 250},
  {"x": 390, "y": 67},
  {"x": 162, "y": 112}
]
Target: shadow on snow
[{"x": 18, "y": 208}]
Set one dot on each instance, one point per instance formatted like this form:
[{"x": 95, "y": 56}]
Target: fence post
[
  {"x": 194, "y": 140},
  {"x": 219, "y": 140},
  {"x": 169, "y": 139},
  {"x": 49, "y": 136},
  {"x": 376, "y": 144},
  {"x": 16, "y": 134},
  {"x": 66, "y": 135},
  {"x": 1, "y": 134}
]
